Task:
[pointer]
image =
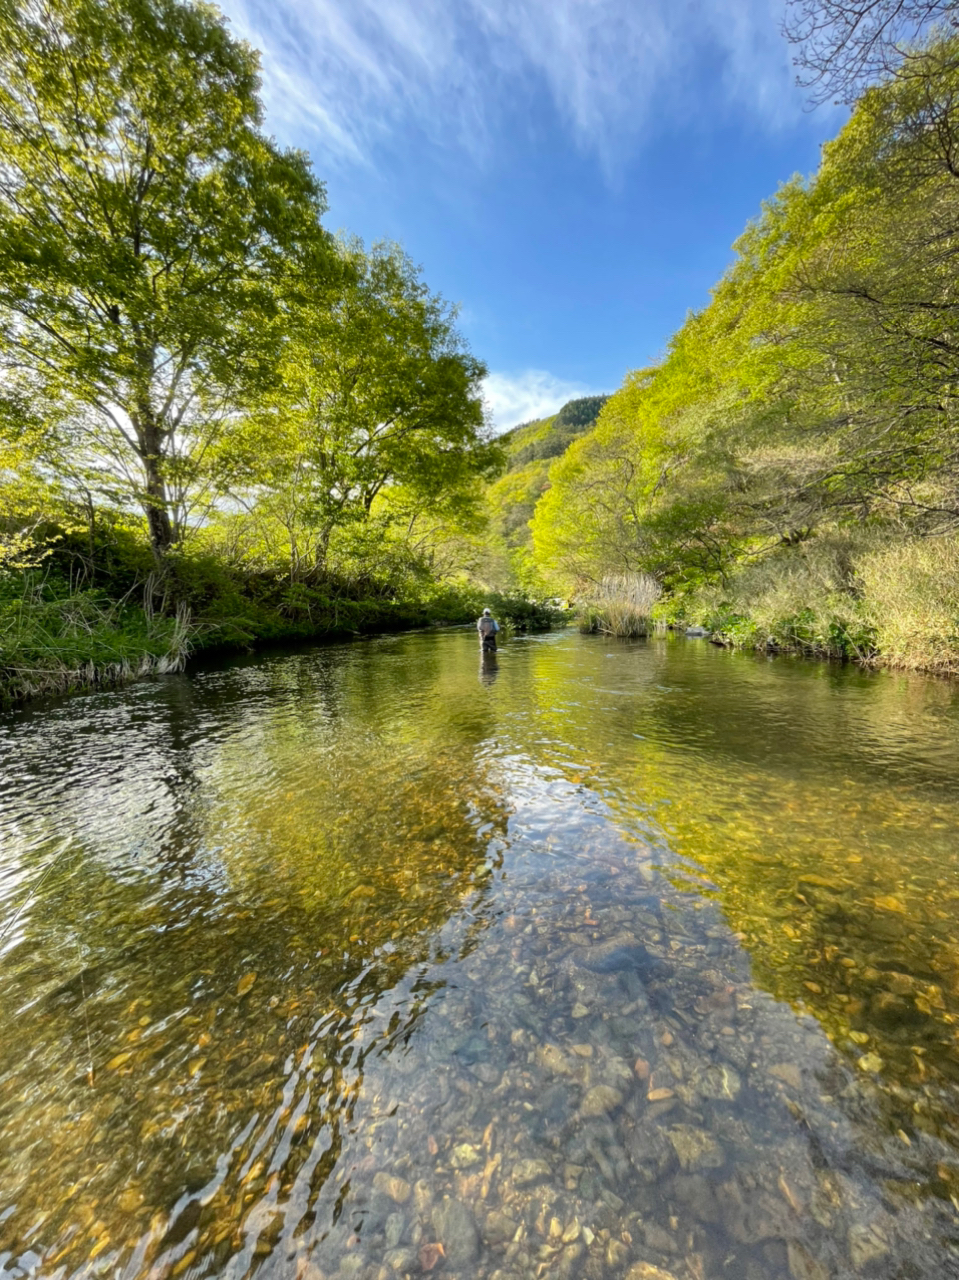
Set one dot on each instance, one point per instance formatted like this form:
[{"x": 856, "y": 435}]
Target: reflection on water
[{"x": 622, "y": 959}]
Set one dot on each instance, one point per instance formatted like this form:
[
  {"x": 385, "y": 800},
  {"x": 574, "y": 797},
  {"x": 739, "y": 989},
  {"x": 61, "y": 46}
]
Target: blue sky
[{"x": 571, "y": 172}]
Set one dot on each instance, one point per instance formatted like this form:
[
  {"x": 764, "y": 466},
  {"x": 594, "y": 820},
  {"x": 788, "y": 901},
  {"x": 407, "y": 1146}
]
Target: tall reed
[{"x": 620, "y": 605}]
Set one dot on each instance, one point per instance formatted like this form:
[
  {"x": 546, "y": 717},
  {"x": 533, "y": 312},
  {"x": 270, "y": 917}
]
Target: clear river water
[{"x": 604, "y": 960}]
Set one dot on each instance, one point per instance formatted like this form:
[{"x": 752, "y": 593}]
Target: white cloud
[
  {"x": 519, "y": 397},
  {"x": 351, "y": 73}
]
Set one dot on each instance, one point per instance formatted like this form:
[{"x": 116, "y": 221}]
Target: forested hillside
[
  {"x": 789, "y": 472},
  {"x": 507, "y": 561}
]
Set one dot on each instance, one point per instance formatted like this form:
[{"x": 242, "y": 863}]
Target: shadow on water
[{"x": 348, "y": 964}]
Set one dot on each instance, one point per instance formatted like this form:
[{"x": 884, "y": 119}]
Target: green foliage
[
  {"x": 54, "y": 639},
  {"x": 377, "y": 417},
  {"x": 551, "y": 437},
  {"x": 813, "y": 401},
  {"x": 147, "y": 225}
]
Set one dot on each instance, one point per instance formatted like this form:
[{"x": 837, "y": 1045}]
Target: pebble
[
  {"x": 499, "y": 1227},
  {"x": 528, "y": 1172},
  {"x": 646, "y": 1271},
  {"x": 553, "y": 1059},
  {"x": 617, "y": 1253},
  {"x": 867, "y": 1244},
  {"x": 463, "y": 1156},
  {"x": 695, "y": 1148},
  {"x": 397, "y": 1189},
  {"x": 600, "y": 1100}
]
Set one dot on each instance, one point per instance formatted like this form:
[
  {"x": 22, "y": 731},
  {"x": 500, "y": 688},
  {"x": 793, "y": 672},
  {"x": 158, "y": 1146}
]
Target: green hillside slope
[{"x": 531, "y": 449}]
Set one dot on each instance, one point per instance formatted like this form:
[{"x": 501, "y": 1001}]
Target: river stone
[
  {"x": 526, "y": 1172},
  {"x": 464, "y": 1155},
  {"x": 400, "y": 1260},
  {"x": 751, "y": 1213},
  {"x": 486, "y": 1073},
  {"x": 600, "y": 1100},
  {"x": 867, "y": 1243},
  {"x": 395, "y": 1229},
  {"x": 698, "y": 1196},
  {"x": 568, "y": 1263},
  {"x": 658, "y": 1239},
  {"x": 623, "y": 957},
  {"x": 720, "y": 1082},
  {"x": 696, "y": 1148},
  {"x": 646, "y": 1271},
  {"x": 802, "y": 1265},
  {"x": 398, "y": 1189},
  {"x": 617, "y": 1254},
  {"x": 456, "y": 1229},
  {"x": 499, "y": 1227},
  {"x": 891, "y": 1010},
  {"x": 422, "y": 1196},
  {"x": 553, "y": 1059}
]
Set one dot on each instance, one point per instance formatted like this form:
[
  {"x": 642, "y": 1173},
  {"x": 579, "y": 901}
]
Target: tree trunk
[
  {"x": 156, "y": 503},
  {"x": 157, "y": 509}
]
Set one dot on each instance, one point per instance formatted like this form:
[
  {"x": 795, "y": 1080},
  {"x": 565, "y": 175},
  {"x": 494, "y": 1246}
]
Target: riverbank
[
  {"x": 894, "y": 606},
  {"x": 57, "y": 637}
]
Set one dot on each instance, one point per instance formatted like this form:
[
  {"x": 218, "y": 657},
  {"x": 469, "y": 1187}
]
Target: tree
[
  {"x": 845, "y": 45},
  {"x": 145, "y": 224},
  {"x": 378, "y": 408}
]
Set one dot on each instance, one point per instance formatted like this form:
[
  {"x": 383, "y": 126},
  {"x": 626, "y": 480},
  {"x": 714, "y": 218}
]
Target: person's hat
[{"x": 486, "y": 610}]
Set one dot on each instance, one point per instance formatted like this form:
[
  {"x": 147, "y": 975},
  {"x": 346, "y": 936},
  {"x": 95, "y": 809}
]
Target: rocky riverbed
[{"x": 489, "y": 1018}]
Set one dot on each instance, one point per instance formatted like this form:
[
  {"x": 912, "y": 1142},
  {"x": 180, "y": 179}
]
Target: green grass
[
  {"x": 54, "y": 640},
  {"x": 62, "y": 630}
]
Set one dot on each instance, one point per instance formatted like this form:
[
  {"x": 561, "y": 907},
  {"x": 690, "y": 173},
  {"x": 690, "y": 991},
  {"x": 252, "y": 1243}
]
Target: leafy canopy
[{"x": 145, "y": 224}]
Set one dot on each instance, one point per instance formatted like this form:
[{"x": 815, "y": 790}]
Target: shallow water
[{"x": 367, "y": 961}]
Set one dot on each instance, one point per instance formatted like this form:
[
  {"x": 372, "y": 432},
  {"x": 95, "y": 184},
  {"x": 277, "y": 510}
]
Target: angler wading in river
[{"x": 487, "y": 626}]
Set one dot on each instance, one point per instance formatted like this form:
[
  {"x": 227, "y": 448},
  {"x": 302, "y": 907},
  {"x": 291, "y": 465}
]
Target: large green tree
[
  {"x": 147, "y": 230},
  {"x": 378, "y": 410}
]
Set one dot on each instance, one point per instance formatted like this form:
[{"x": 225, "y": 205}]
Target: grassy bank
[
  {"x": 80, "y": 621},
  {"x": 878, "y": 602},
  {"x": 622, "y": 604}
]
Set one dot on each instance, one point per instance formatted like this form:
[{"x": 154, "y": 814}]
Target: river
[{"x": 366, "y": 960}]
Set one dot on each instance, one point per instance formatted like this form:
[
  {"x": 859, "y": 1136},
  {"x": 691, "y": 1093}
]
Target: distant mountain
[{"x": 550, "y": 437}]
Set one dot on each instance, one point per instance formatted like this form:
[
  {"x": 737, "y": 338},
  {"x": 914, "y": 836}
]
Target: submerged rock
[
  {"x": 646, "y": 1271},
  {"x": 528, "y": 1172},
  {"x": 499, "y": 1227},
  {"x": 600, "y": 1100},
  {"x": 696, "y": 1148},
  {"x": 631, "y": 957},
  {"x": 456, "y": 1228},
  {"x": 398, "y": 1189}
]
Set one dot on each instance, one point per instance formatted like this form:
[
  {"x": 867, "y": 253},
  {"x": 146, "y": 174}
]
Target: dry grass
[
  {"x": 912, "y": 600},
  {"x": 870, "y": 599},
  {"x": 621, "y": 605}
]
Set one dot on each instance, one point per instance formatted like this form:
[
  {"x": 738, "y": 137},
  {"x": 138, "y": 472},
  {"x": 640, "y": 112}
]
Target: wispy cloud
[
  {"x": 519, "y": 397},
  {"x": 350, "y": 73}
]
